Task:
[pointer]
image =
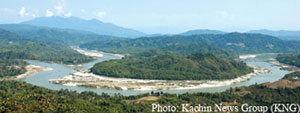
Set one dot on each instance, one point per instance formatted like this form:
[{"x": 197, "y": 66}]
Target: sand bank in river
[
  {"x": 85, "y": 79},
  {"x": 273, "y": 61},
  {"x": 246, "y": 56},
  {"x": 92, "y": 53},
  {"x": 30, "y": 70}
]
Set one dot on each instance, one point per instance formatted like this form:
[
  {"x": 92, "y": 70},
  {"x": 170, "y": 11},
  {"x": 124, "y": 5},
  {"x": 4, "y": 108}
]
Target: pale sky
[{"x": 164, "y": 16}]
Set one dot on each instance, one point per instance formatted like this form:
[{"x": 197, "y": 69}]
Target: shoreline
[
  {"x": 92, "y": 53},
  {"x": 283, "y": 66},
  {"x": 30, "y": 71},
  {"x": 85, "y": 79},
  {"x": 250, "y": 56}
]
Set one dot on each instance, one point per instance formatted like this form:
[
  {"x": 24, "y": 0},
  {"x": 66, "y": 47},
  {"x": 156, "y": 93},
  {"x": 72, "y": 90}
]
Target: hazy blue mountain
[
  {"x": 201, "y": 31},
  {"x": 282, "y": 34},
  {"x": 93, "y": 25},
  {"x": 46, "y": 34}
]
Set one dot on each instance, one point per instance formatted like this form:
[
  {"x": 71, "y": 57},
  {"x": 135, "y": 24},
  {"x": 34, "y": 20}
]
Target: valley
[
  {"x": 79, "y": 81},
  {"x": 70, "y": 64},
  {"x": 178, "y": 63}
]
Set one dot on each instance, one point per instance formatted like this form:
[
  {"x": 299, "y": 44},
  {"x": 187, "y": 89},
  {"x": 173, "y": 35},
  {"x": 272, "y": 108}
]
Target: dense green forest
[
  {"x": 291, "y": 59},
  {"x": 13, "y": 46},
  {"x": 174, "y": 44},
  {"x": 165, "y": 66},
  {"x": 53, "y": 35},
  {"x": 22, "y": 97},
  {"x": 12, "y": 67},
  {"x": 241, "y": 43}
]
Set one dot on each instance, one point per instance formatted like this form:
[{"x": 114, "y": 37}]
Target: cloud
[
  {"x": 22, "y": 12},
  {"x": 59, "y": 9},
  {"x": 100, "y": 14},
  {"x": 49, "y": 13}
]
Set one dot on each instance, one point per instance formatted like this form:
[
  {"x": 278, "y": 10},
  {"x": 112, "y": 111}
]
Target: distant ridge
[
  {"x": 282, "y": 34},
  {"x": 201, "y": 31},
  {"x": 276, "y": 33},
  {"x": 93, "y": 25}
]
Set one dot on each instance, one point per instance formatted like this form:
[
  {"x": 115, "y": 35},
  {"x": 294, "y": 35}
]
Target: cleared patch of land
[{"x": 283, "y": 84}]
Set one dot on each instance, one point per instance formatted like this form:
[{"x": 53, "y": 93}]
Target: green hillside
[
  {"x": 10, "y": 67},
  {"x": 291, "y": 59},
  {"x": 233, "y": 42},
  {"x": 12, "y": 46},
  {"x": 165, "y": 66},
  {"x": 53, "y": 35}
]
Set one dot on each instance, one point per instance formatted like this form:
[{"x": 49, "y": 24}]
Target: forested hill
[
  {"x": 166, "y": 66},
  {"x": 6, "y": 35},
  {"x": 176, "y": 44},
  {"x": 11, "y": 67},
  {"x": 241, "y": 43},
  {"x": 282, "y": 34},
  {"x": 13, "y": 46},
  {"x": 54, "y": 35},
  {"x": 291, "y": 59},
  {"x": 201, "y": 31}
]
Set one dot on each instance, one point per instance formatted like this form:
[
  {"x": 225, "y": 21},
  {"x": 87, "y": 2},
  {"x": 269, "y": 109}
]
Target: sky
[{"x": 164, "y": 16}]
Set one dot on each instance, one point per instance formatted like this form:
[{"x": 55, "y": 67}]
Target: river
[{"x": 59, "y": 71}]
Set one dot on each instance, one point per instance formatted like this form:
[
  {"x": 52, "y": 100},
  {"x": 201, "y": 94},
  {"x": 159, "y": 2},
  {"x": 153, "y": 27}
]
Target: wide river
[{"x": 59, "y": 71}]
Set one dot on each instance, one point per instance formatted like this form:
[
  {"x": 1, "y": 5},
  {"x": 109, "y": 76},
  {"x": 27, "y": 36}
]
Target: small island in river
[{"x": 89, "y": 79}]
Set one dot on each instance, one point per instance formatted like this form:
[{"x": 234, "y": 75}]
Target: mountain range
[
  {"x": 282, "y": 34},
  {"x": 201, "y": 31},
  {"x": 102, "y": 28},
  {"x": 93, "y": 25}
]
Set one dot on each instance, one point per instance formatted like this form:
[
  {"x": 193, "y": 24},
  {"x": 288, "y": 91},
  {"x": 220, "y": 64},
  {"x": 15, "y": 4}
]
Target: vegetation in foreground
[
  {"x": 18, "y": 96},
  {"x": 165, "y": 66}
]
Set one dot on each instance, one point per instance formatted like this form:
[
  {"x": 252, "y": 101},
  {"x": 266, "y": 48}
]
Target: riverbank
[
  {"x": 86, "y": 79},
  {"x": 247, "y": 56},
  {"x": 92, "y": 53},
  {"x": 283, "y": 66},
  {"x": 30, "y": 70},
  {"x": 251, "y": 56}
]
